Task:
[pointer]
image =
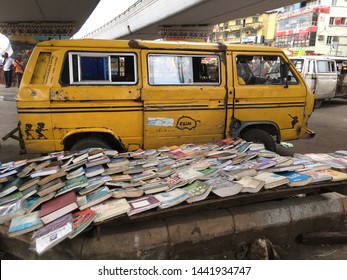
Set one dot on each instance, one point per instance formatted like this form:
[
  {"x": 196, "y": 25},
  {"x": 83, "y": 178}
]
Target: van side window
[
  {"x": 41, "y": 71},
  {"x": 265, "y": 69},
  {"x": 325, "y": 66},
  {"x": 99, "y": 68},
  {"x": 183, "y": 69}
]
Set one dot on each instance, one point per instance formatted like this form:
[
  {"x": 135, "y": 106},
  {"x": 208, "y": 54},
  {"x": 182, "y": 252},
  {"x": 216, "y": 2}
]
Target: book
[
  {"x": 94, "y": 171},
  {"x": 115, "y": 170},
  {"x": 93, "y": 197},
  {"x": 58, "y": 207},
  {"x": 81, "y": 220},
  {"x": 110, "y": 208},
  {"x": 74, "y": 183},
  {"x": 50, "y": 187},
  {"x": 33, "y": 202},
  {"x": 76, "y": 173},
  {"x": 11, "y": 197},
  {"x": 98, "y": 161},
  {"x": 171, "y": 198},
  {"x": 146, "y": 175},
  {"x": 10, "y": 210},
  {"x": 296, "y": 178},
  {"x": 51, "y": 234},
  {"x": 124, "y": 177},
  {"x": 115, "y": 162},
  {"x": 26, "y": 170},
  {"x": 45, "y": 171},
  {"x": 224, "y": 188},
  {"x": 10, "y": 187},
  {"x": 134, "y": 169},
  {"x": 293, "y": 167},
  {"x": 250, "y": 184},
  {"x": 43, "y": 164},
  {"x": 197, "y": 191},
  {"x": 80, "y": 158},
  {"x": 154, "y": 187},
  {"x": 318, "y": 175},
  {"x": 24, "y": 223},
  {"x": 73, "y": 166},
  {"x": 127, "y": 192},
  {"x": 261, "y": 163},
  {"x": 143, "y": 203},
  {"x": 93, "y": 184},
  {"x": 28, "y": 183},
  {"x": 51, "y": 177},
  {"x": 271, "y": 179},
  {"x": 30, "y": 191},
  {"x": 336, "y": 175}
]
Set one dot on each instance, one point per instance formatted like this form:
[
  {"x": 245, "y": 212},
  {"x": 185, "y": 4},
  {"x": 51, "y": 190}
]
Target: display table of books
[{"x": 62, "y": 194}]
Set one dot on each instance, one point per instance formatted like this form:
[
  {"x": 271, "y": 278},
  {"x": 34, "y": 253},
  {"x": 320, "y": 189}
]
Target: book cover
[
  {"x": 11, "y": 197},
  {"x": 81, "y": 220},
  {"x": 51, "y": 234},
  {"x": 127, "y": 192},
  {"x": 296, "y": 178},
  {"x": 98, "y": 161},
  {"x": 30, "y": 191},
  {"x": 10, "y": 187},
  {"x": 142, "y": 204},
  {"x": 28, "y": 183},
  {"x": 224, "y": 188},
  {"x": 94, "y": 171},
  {"x": 171, "y": 198},
  {"x": 93, "y": 197},
  {"x": 33, "y": 202},
  {"x": 197, "y": 191},
  {"x": 58, "y": 207},
  {"x": 154, "y": 187},
  {"x": 336, "y": 175},
  {"x": 45, "y": 171},
  {"x": 318, "y": 175},
  {"x": 250, "y": 184},
  {"x": 115, "y": 162},
  {"x": 76, "y": 173},
  {"x": 146, "y": 175},
  {"x": 272, "y": 180},
  {"x": 50, "y": 187},
  {"x": 110, "y": 208},
  {"x": 25, "y": 223},
  {"x": 74, "y": 183},
  {"x": 26, "y": 170},
  {"x": 10, "y": 210}
]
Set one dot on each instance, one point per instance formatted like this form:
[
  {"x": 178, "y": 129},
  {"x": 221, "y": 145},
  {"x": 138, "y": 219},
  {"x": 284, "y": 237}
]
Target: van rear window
[
  {"x": 165, "y": 69},
  {"x": 41, "y": 71},
  {"x": 99, "y": 68}
]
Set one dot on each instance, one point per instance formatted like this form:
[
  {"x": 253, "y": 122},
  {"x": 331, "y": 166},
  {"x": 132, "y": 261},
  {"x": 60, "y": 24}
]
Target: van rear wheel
[
  {"x": 90, "y": 143},
  {"x": 260, "y": 136}
]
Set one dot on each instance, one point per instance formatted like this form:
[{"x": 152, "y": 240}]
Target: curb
[{"x": 206, "y": 234}]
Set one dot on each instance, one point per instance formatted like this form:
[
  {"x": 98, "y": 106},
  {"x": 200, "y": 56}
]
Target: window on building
[
  {"x": 329, "y": 40},
  {"x": 238, "y": 22},
  {"x": 333, "y": 2},
  {"x": 99, "y": 68},
  {"x": 255, "y": 19},
  {"x": 165, "y": 69}
]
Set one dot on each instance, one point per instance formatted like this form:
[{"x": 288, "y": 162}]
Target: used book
[
  {"x": 10, "y": 210},
  {"x": 223, "y": 187},
  {"x": 250, "y": 184},
  {"x": 75, "y": 183},
  {"x": 24, "y": 223},
  {"x": 81, "y": 220},
  {"x": 272, "y": 180},
  {"x": 142, "y": 204},
  {"x": 171, "y": 198},
  {"x": 296, "y": 178},
  {"x": 110, "y": 208},
  {"x": 197, "y": 191},
  {"x": 50, "y": 187},
  {"x": 58, "y": 207},
  {"x": 93, "y": 197}
]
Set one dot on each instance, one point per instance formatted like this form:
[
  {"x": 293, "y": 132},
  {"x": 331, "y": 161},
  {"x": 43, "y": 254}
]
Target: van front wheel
[
  {"x": 260, "y": 136},
  {"x": 89, "y": 143}
]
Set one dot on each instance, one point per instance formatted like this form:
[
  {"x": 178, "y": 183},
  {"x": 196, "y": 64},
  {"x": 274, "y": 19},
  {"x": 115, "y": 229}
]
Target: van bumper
[{"x": 309, "y": 134}]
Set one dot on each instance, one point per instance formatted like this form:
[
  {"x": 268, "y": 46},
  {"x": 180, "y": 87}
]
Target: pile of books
[{"x": 62, "y": 193}]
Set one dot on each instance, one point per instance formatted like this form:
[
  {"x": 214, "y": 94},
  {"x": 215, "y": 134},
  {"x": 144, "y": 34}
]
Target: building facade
[
  {"x": 258, "y": 29},
  {"x": 314, "y": 27}
]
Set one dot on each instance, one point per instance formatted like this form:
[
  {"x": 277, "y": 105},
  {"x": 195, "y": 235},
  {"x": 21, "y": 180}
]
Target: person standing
[
  {"x": 18, "y": 68},
  {"x": 7, "y": 68}
]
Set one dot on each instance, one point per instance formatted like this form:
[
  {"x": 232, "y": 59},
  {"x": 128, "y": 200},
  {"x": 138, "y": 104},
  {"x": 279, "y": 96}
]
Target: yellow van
[{"x": 127, "y": 95}]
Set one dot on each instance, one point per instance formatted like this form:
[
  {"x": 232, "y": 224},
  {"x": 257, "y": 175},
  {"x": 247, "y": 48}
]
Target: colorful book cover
[
  {"x": 24, "y": 223},
  {"x": 81, "y": 220}
]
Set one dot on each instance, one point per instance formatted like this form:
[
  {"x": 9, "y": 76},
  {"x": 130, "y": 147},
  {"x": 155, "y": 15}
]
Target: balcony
[{"x": 253, "y": 25}]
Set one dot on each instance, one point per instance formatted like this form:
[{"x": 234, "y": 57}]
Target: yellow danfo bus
[{"x": 127, "y": 95}]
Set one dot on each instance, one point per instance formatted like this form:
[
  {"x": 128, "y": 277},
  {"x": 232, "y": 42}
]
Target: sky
[{"x": 103, "y": 13}]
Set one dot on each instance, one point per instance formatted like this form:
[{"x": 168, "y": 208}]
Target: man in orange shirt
[{"x": 18, "y": 68}]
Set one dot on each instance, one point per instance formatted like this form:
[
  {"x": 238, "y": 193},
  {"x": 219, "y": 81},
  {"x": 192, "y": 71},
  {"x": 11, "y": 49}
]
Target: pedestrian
[
  {"x": 18, "y": 68},
  {"x": 7, "y": 68}
]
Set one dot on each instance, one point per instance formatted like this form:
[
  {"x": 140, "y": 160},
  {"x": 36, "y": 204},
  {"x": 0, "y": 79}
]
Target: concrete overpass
[
  {"x": 44, "y": 17},
  {"x": 150, "y": 19}
]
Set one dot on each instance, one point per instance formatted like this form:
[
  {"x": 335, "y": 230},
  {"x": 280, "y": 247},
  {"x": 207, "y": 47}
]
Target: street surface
[{"x": 329, "y": 122}]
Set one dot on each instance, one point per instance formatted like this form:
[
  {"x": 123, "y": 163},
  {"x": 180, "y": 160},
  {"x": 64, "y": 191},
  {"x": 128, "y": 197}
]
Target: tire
[
  {"x": 260, "y": 136},
  {"x": 318, "y": 103},
  {"x": 90, "y": 143}
]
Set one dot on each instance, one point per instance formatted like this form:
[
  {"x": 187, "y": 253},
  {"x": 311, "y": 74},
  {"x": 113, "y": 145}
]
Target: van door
[
  {"x": 97, "y": 96},
  {"x": 184, "y": 97},
  {"x": 263, "y": 104},
  {"x": 326, "y": 78}
]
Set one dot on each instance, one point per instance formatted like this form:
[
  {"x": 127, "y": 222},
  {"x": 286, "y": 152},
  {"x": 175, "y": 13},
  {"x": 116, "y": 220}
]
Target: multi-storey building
[
  {"x": 258, "y": 29},
  {"x": 317, "y": 27}
]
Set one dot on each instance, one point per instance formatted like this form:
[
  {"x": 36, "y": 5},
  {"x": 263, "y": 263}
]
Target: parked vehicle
[
  {"x": 127, "y": 95},
  {"x": 322, "y": 74}
]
